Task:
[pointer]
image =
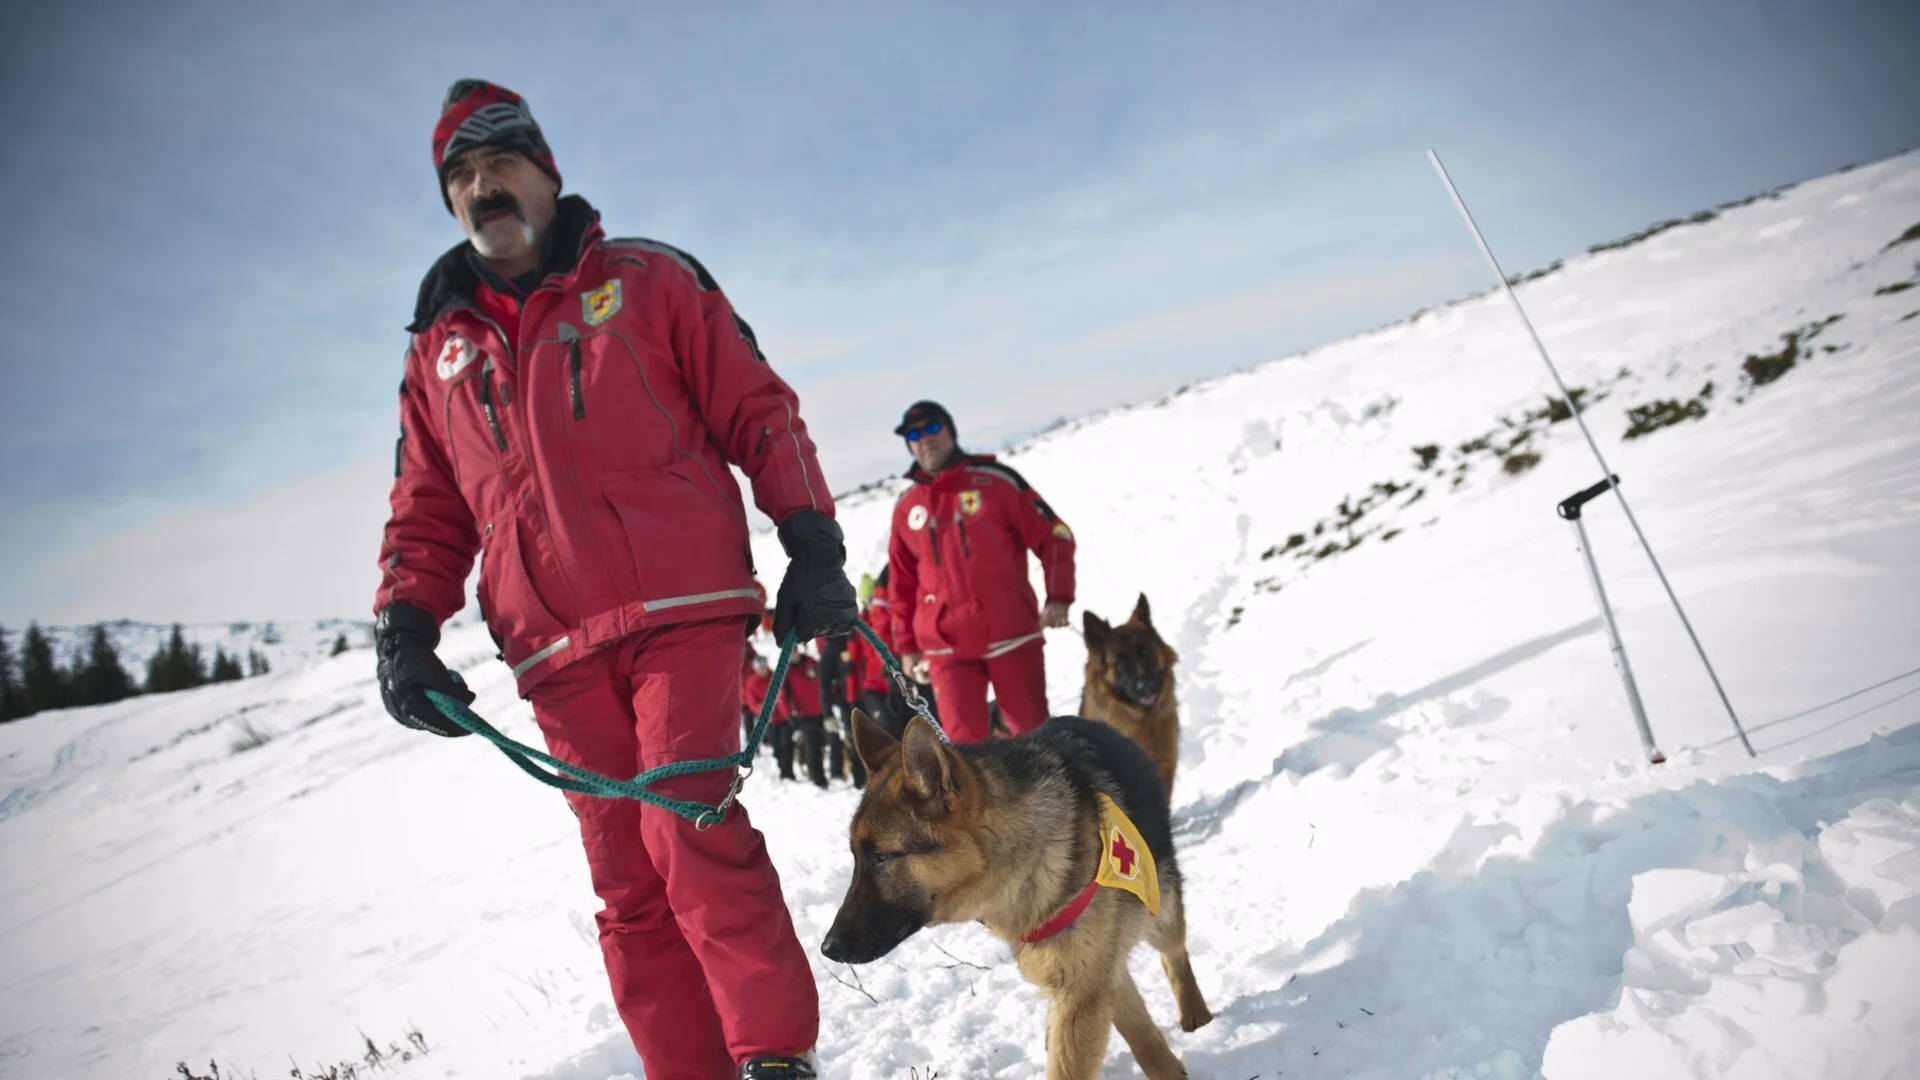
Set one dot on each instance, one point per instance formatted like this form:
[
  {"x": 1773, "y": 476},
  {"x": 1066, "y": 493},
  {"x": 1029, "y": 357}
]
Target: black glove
[
  {"x": 815, "y": 597},
  {"x": 404, "y": 639}
]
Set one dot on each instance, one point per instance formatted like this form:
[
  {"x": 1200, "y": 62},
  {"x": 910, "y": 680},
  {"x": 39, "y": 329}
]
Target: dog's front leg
[
  {"x": 1077, "y": 1028},
  {"x": 1144, "y": 1037}
]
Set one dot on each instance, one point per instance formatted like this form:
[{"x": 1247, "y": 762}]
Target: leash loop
[{"x": 572, "y": 778}]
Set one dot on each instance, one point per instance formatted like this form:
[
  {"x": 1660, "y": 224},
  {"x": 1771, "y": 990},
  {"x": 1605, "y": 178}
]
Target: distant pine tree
[
  {"x": 225, "y": 668},
  {"x": 340, "y": 644},
  {"x": 257, "y": 662},
  {"x": 100, "y": 678},
  {"x": 42, "y": 684},
  {"x": 157, "y": 680},
  {"x": 177, "y": 666},
  {"x": 11, "y": 703}
]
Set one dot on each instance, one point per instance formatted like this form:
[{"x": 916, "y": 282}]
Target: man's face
[
  {"x": 933, "y": 449},
  {"x": 503, "y": 201}
]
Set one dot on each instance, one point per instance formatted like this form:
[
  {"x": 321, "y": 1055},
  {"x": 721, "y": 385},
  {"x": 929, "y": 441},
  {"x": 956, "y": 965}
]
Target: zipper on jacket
[
  {"x": 933, "y": 538},
  {"x": 486, "y": 405},
  {"x": 965, "y": 549},
  {"x": 574, "y": 394},
  {"x": 573, "y": 372},
  {"x": 486, "y": 378}
]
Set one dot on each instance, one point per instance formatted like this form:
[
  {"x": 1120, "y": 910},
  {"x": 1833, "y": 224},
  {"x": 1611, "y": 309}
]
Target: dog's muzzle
[{"x": 866, "y": 931}]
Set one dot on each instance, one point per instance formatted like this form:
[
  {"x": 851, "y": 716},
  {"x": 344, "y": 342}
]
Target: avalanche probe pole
[
  {"x": 1612, "y": 481},
  {"x": 1570, "y": 509}
]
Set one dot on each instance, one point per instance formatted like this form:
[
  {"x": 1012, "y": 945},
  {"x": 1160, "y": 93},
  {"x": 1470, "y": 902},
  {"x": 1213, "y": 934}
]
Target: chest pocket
[
  {"x": 474, "y": 431},
  {"x": 616, "y": 397}
]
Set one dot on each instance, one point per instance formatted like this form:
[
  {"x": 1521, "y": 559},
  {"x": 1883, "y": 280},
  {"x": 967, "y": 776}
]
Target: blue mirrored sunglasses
[{"x": 931, "y": 427}]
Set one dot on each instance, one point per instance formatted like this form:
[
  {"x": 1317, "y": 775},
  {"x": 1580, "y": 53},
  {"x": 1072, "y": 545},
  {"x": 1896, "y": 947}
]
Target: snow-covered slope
[{"x": 1418, "y": 833}]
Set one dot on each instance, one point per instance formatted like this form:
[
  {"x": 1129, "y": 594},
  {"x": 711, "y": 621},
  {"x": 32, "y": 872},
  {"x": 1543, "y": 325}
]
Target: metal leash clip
[
  {"x": 718, "y": 814},
  {"x": 914, "y": 701}
]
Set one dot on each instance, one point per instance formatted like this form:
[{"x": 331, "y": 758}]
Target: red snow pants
[
  {"x": 1019, "y": 681},
  {"x": 706, "y": 968}
]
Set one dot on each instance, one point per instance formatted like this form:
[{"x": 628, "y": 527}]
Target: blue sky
[{"x": 217, "y": 215}]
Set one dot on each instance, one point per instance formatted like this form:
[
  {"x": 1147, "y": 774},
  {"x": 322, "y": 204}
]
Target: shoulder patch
[
  {"x": 654, "y": 247},
  {"x": 455, "y": 356},
  {"x": 599, "y": 305}
]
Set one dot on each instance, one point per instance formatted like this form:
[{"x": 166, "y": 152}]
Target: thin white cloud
[{"x": 307, "y": 549}]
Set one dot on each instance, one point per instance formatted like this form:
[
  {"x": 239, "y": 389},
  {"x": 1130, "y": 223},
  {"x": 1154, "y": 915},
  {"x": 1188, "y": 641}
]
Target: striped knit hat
[{"x": 479, "y": 113}]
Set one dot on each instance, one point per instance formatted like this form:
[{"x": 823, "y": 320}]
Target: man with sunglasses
[
  {"x": 571, "y": 406},
  {"x": 964, "y": 612}
]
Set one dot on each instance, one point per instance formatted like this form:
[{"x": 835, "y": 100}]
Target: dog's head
[
  {"x": 916, "y": 838},
  {"x": 1131, "y": 659}
]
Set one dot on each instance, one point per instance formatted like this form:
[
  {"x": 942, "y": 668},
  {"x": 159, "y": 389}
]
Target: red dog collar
[{"x": 1067, "y": 914}]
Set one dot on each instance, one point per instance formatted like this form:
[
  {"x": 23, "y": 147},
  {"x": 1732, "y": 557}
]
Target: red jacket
[
  {"x": 753, "y": 694},
  {"x": 958, "y": 561},
  {"x": 585, "y": 456},
  {"x": 800, "y": 695},
  {"x": 865, "y": 671}
]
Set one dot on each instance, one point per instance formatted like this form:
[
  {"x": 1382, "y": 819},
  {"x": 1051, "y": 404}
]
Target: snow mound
[{"x": 1775, "y": 957}]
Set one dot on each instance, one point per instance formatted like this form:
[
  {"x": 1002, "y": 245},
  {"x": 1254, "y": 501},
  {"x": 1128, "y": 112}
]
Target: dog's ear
[
  {"x": 930, "y": 763},
  {"x": 1094, "y": 629},
  {"x": 1141, "y": 614},
  {"x": 871, "y": 741}
]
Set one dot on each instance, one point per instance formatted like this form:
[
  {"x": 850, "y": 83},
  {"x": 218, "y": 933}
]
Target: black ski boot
[{"x": 779, "y": 1068}]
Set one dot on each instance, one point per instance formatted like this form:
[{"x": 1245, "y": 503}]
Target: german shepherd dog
[
  {"x": 1009, "y": 833},
  {"x": 1130, "y": 685}
]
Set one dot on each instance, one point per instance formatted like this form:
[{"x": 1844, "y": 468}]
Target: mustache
[{"x": 503, "y": 201}]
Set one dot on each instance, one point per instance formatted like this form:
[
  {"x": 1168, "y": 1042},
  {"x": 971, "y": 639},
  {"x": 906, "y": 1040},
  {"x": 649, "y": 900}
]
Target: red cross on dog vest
[{"x": 1125, "y": 864}]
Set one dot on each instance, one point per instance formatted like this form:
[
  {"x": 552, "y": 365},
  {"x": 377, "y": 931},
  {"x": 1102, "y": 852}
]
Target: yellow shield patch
[
  {"x": 969, "y": 503},
  {"x": 599, "y": 305},
  {"x": 1125, "y": 862},
  {"x": 1061, "y": 531}
]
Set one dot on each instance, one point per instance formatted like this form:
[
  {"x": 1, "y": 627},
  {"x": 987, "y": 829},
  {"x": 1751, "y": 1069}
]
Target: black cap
[{"x": 922, "y": 411}]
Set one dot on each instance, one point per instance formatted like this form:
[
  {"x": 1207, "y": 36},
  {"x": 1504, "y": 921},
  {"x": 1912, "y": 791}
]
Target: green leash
[{"x": 580, "y": 781}]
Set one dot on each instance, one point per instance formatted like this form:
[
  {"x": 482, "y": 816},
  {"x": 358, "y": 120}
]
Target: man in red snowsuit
[
  {"x": 801, "y": 695},
  {"x": 963, "y": 608},
  {"x": 868, "y": 683},
  {"x": 753, "y": 697},
  {"x": 570, "y": 408}
]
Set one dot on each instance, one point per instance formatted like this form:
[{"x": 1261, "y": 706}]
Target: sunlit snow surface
[{"x": 1417, "y": 831}]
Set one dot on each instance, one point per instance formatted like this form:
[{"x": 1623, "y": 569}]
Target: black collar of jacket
[{"x": 454, "y": 277}]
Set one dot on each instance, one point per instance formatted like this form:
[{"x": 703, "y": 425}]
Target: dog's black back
[{"x": 1092, "y": 757}]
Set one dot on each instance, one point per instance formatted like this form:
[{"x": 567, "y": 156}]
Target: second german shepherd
[
  {"x": 1130, "y": 685},
  {"x": 1017, "y": 834}
]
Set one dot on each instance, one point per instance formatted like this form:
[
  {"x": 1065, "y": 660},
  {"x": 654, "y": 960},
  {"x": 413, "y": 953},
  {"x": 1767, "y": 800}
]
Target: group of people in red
[
  {"x": 570, "y": 413},
  {"x": 957, "y": 574}
]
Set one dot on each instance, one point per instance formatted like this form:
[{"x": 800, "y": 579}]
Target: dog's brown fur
[
  {"x": 1006, "y": 833},
  {"x": 1126, "y": 664}
]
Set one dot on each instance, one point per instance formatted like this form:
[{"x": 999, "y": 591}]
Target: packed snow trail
[{"x": 1417, "y": 835}]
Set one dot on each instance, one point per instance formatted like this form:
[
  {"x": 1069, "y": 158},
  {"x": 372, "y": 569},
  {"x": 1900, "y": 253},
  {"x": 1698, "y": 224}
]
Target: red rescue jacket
[
  {"x": 865, "y": 671},
  {"x": 800, "y": 696},
  {"x": 753, "y": 694},
  {"x": 957, "y": 561},
  {"x": 584, "y": 455}
]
